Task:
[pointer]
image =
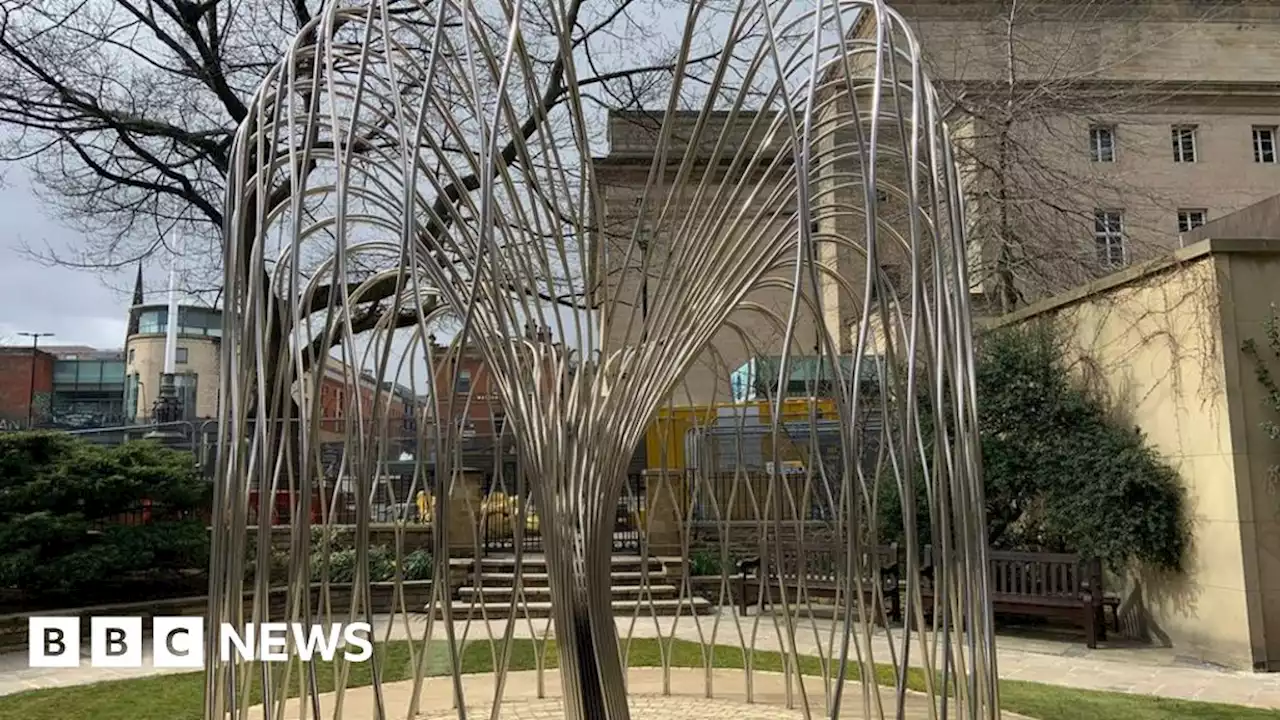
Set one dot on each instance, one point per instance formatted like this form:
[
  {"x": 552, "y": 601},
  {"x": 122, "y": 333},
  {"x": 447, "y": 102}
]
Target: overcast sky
[{"x": 80, "y": 308}]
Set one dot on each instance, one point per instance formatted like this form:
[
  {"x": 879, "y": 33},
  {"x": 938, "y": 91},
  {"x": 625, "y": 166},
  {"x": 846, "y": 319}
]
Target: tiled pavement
[
  {"x": 1116, "y": 666},
  {"x": 683, "y": 698}
]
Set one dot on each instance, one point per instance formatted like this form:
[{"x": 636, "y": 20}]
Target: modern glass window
[
  {"x": 90, "y": 373},
  {"x": 65, "y": 372},
  {"x": 186, "y": 384},
  {"x": 1184, "y": 143},
  {"x": 1102, "y": 143},
  {"x": 1264, "y": 145},
  {"x": 1189, "y": 220},
  {"x": 153, "y": 321},
  {"x": 191, "y": 321},
  {"x": 113, "y": 372},
  {"x": 1108, "y": 235},
  {"x": 131, "y": 396}
]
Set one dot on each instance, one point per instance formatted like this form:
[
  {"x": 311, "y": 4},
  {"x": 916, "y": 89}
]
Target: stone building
[
  {"x": 1108, "y": 128},
  {"x": 1090, "y": 136},
  {"x": 710, "y": 197},
  {"x": 197, "y": 362}
]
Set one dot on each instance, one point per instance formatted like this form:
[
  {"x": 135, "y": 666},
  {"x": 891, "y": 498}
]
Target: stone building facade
[
  {"x": 1110, "y": 128},
  {"x": 753, "y": 198}
]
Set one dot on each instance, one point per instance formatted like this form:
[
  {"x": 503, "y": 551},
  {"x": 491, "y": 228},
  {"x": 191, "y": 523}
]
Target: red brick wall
[
  {"x": 485, "y": 404},
  {"x": 16, "y": 386},
  {"x": 334, "y": 404}
]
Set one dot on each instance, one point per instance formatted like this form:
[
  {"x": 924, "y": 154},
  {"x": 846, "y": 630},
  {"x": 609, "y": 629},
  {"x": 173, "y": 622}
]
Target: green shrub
[
  {"x": 1060, "y": 472},
  {"x": 705, "y": 562},
  {"x": 61, "y": 499},
  {"x": 342, "y": 565},
  {"x": 418, "y": 565}
]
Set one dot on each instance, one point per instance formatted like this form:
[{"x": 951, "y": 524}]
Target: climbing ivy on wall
[
  {"x": 1261, "y": 368},
  {"x": 1061, "y": 472}
]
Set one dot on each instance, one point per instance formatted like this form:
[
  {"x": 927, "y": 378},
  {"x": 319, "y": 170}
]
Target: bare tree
[
  {"x": 125, "y": 112},
  {"x": 1029, "y": 82}
]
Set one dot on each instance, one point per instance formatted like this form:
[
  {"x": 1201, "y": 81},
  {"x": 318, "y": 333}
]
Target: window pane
[
  {"x": 1264, "y": 145},
  {"x": 113, "y": 372},
  {"x": 152, "y": 321},
  {"x": 180, "y": 355},
  {"x": 90, "y": 372},
  {"x": 131, "y": 396},
  {"x": 64, "y": 371},
  {"x": 1102, "y": 144}
]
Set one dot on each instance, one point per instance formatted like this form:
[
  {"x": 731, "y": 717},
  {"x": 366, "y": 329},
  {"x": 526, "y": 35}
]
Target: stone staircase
[{"x": 635, "y": 583}]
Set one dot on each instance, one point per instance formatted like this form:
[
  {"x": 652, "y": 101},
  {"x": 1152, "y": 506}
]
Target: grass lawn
[{"x": 179, "y": 697}]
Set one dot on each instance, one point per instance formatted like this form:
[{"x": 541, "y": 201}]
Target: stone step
[
  {"x": 538, "y": 564},
  {"x": 543, "y": 594},
  {"x": 541, "y": 579},
  {"x": 623, "y": 608}
]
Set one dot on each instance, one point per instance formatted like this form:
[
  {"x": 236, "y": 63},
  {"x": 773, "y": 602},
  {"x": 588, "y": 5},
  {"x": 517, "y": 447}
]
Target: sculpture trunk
[{"x": 578, "y": 565}]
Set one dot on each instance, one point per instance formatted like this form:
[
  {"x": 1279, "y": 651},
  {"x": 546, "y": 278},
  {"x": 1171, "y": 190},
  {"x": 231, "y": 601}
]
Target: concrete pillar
[
  {"x": 464, "y": 513},
  {"x": 666, "y": 511}
]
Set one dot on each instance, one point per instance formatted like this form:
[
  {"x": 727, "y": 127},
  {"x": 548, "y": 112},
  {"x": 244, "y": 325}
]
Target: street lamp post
[{"x": 31, "y": 394}]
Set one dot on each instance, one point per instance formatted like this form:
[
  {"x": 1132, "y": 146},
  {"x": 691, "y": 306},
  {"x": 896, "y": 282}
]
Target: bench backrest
[
  {"x": 1037, "y": 575},
  {"x": 824, "y": 559}
]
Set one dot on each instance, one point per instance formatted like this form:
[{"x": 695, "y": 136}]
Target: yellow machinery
[
  {"x": 665, "y": 438},
  {"x": 497, "y": 510}
]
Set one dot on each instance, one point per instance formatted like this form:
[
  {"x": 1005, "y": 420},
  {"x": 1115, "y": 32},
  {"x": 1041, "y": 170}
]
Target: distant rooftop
[{"x": 66, "y": 352}]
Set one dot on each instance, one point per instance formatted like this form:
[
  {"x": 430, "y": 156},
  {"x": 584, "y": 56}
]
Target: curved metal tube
[{"x": 413, "y": 168}]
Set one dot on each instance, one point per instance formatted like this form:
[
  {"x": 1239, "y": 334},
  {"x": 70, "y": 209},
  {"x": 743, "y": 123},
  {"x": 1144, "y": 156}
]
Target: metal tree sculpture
[{"x": 416, "y": 166}]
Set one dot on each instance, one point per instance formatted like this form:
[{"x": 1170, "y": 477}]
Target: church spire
[{"x": 134, "y": 314}]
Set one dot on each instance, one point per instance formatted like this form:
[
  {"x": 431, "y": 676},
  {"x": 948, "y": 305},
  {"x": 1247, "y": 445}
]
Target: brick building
[
  {"x": 18, "y": 386},
  {"x": 338, "y": 402},
  {"x": 473, "y": 396}
]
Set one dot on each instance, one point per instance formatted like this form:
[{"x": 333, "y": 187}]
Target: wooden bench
[
  {"x": 816, "y": 573},
  {"x": 1051, "y": 585}
]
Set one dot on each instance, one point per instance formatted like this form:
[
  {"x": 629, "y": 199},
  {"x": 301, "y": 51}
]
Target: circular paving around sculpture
[{"x": 643, "y": 707}]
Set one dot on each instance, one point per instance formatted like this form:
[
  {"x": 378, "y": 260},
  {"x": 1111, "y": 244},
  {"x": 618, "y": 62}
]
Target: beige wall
[
  {"x": 147, "y": 362},
  {"x": 1164, "y": 339}
]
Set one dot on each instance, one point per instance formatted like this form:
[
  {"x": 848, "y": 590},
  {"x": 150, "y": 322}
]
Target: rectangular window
[
  {"x": 180, "y": 356},
  {"x": 1108, "y": 234},
  {"x": 131, "y": 397},
  {"x": 1189, "y": 220},
  {"x": 1102, "y": 143},
  {"x": 131, "y": 354},
  {"x": 153, "y": 322},
  {"x": 1264, "y": 145},
  {"x": 186, "y": 384},
  {"x": 1184, "y": 143},
  {"x": 464, "y": 382}
]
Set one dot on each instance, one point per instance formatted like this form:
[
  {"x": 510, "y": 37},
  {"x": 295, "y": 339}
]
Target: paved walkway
[
  {"x": 653, "y": 695},
  {"x": 1117, "y": 666}
]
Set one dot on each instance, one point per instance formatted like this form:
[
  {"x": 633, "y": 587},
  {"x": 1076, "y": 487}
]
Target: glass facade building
[{"x": 88, "y": 390}]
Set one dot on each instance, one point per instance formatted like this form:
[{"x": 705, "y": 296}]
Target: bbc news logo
[{"x": 178, "y": 642}]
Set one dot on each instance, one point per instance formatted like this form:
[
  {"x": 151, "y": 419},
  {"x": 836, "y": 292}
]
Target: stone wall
[{"x": 1165, "y": 341}]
